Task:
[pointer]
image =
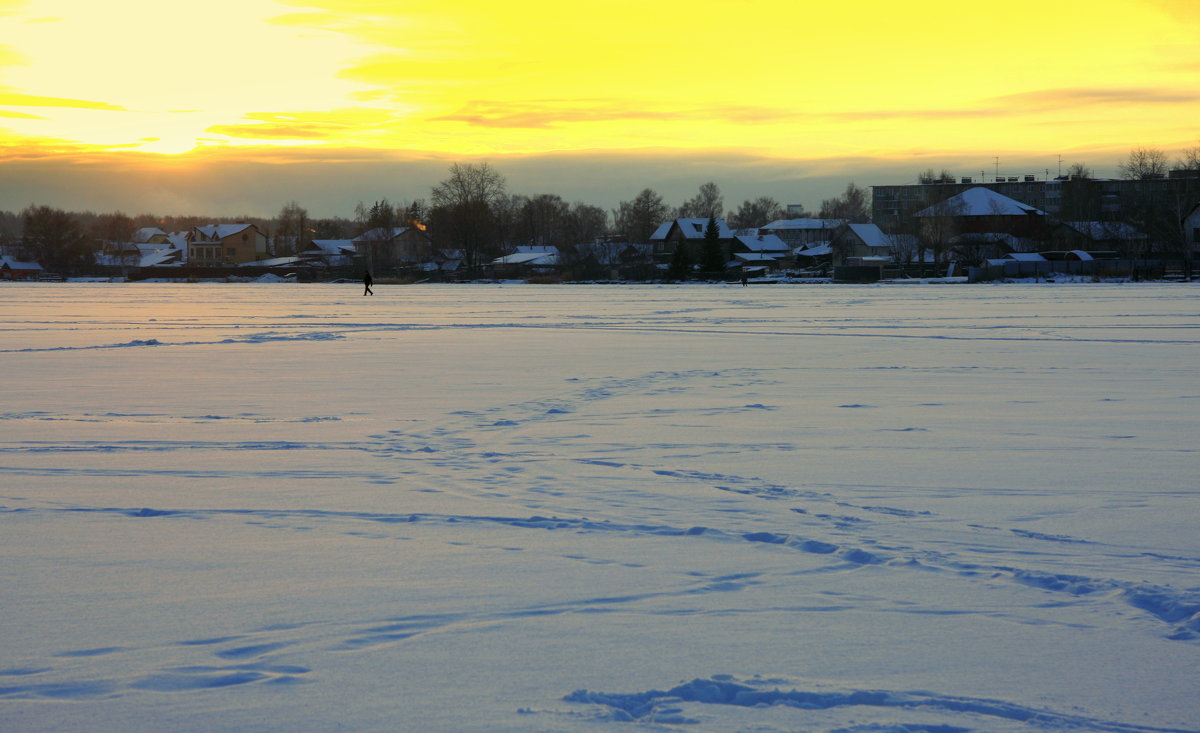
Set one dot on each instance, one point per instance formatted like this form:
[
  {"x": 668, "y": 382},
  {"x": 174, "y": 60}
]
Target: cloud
[
  {"x": 345, "y": 126},
  {"x": 1055, "y": 99},
  {"x": 16, "y": 99},
  {"x": 549, "y": 113}
]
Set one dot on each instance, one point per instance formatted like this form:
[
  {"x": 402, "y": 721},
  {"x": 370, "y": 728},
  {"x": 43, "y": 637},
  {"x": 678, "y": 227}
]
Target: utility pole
[{"x": 997, "y": 161}]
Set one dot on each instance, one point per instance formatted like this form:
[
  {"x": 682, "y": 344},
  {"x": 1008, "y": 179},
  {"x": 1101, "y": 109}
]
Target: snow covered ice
[{"x": 270, "y": 506}]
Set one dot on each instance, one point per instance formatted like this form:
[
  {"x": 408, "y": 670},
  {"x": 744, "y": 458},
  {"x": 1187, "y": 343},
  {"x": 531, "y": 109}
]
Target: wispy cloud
[
  {"x": 1069, "y": 98},
  {"x": 344, "y": 125},
  {"x": 16, "y": 99},
  {"x": 549, "y": 113}
]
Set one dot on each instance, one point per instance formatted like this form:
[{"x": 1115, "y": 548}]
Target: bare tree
[
  {"x": 1079, "y": 171},
  {"x": 853, "y": 205},
  {"x": 291, "y": 228},
  {"x": 465, "y": 210},
  {"x": 928, "y": 176},
  {"x": 585, "y": 223},
  {"x": 756, "y": 213},
  {"x": 636, "y": 220},
  {"x": 1189, "y": 159},
  {"x": 1143, "y": 163},
  {"x": 707, "y": 204},
  {"x": 936, "y": 228},
  {"x": 52, "y": 237},
  {"x": 543, "y": 220}
]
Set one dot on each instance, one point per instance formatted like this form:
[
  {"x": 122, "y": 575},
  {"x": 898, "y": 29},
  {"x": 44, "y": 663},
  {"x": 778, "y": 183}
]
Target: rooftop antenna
[
  {"x": 1059, "y": 165},
  {"x": 997, "y": 160}
]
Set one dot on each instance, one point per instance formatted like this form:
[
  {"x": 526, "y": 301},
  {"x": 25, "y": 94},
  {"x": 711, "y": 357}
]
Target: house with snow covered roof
[
  {"x": 1116, "y": 236},
  {"x": 329, "y": 252},
  {"x": 12, "y": 268},
  {"x": 150, "y": 235},
  {"x": 853, "y": 241},
  {"x": 803, "y": 232},
  {"x": 226, "y": 244},
  {"x": 979, "y": 210},
  {"x": 527, "y": 260},
  {"x": 760, "y": 251},
  {"x": 687, "y": 233},
  {"x": 394, "y": 247}
]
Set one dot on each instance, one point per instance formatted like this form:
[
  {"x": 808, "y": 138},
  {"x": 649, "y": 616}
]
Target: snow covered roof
[
  {"x": 753, "y": 257},
  {"x": 333, "y": 247},
  {"x": 380, "y": 234},
  {"x": 804, "y": 224},
  {"x": 820, "y": 249},
  {"x": 691, "y": 228},
  {"x": 870, "y": 234},
  {"x": 979, "y": 201},
  {"x": 220, "y": 231},
  {"x": 160, "y": 257},
  {"x": 528, "y": 258},
  {"x": 275, "y": 262},
  {"x": 762, "y": 243},
  {"x": 13, "y": 263},
  {"x": 145, "y": 234},
  {"x": 1025, "y": 257}
]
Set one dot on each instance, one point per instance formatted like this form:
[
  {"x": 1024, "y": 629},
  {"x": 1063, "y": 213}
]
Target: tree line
[{"x": 473, "y": 211}]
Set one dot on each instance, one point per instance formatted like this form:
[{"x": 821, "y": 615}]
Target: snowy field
[{"x": 280, "y": 507}]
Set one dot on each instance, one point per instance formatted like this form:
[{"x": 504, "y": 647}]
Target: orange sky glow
[{"x": 144, "y": 88}]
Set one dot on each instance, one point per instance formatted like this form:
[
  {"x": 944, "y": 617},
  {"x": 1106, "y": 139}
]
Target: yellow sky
[{"x": 477, "y": 78}]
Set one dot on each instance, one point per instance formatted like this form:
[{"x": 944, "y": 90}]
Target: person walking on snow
[{"x": 367, "y": 281}]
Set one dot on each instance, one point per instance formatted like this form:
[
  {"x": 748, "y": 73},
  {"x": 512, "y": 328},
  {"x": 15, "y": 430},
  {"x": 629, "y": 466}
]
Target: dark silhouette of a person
[{"x": 367, "y": 282}]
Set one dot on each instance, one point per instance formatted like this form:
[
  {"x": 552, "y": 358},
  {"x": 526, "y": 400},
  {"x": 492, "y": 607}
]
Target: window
[{"x": 1196, "y": 234}]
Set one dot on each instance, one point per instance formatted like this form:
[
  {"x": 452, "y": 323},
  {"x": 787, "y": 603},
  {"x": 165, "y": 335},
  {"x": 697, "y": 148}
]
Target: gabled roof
[
  {"x": 13, "y": 263},
  {"x": 690, "y": 229},
  {"x": 762, "y": 242},
  {"x": 979, "y": 201},
  {"x": 528, "y": 258},
  {"x": 333, "y": 247},
  {"x": 380, "y": 234},
  {"x": 818, "y": 249},
  {"x": 869, "y": 234},
  {"x": 753, "y": 257},
  {"x": 220, "y": 231},
  {"x": 145, "y": 234}
]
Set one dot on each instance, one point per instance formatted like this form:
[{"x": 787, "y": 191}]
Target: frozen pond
[{"x": 265, "y": 507}]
